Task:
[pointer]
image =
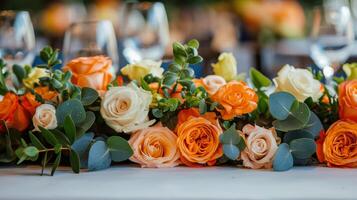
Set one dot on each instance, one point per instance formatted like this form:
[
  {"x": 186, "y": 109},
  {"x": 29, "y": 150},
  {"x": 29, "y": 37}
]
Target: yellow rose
[
  {"x": 34, "y": 76},
  {"x": 298, "y": 82},
  {"x": 226, "y": 66},
  {"x": 351, "y": 70},
  {"x": 138, "y": 70}
]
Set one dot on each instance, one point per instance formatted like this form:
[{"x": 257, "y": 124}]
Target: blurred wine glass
[
  {"x": 17, "y": 38},
  {"x": 90, "y": 38},
  {"x": 144, "y": 31},
  {"x": 332, "y": 36}
]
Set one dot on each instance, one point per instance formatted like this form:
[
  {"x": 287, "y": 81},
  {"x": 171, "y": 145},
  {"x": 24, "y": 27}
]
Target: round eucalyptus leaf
[
  {"x": 283, "y": 160},
  {"x": 231, "y": 151},
  {"x": 72, "y": 107},
  {"x": 119, "y": 148},
  {"x": 303, "y": 148},
  {"x": 99, "y": 156},
  {"x": 280, "y": 104},
  {"x": 292, "y": 135},
  {"x": 314, "y": 125},
  {"x": 297, "y": 118}
]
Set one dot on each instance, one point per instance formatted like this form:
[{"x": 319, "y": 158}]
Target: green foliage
[
  {"x": 119, "y": 148},
  {"x": 258, "y": 79},
  {"x": 303, "y": 148},
  {"x": 89, "y": 96},
  {"x": 3, "y": 75},
  {"x": 50, "y": 57},
  {"x": 232, "y": 142},
  {"x": 280, "y": 104},
  {"x": 298, "y": 118},
  {"x": 72, "y": 107},
  {"x": 283, "y": 159}
]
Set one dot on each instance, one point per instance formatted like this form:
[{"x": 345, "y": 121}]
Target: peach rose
[
  {"x": 93, "y": 72},
  {"x": 339, "y": 145},
  {"x": 347, "y": 96},
  {"x": 212, "y": 83},
  {"x": 198, "y": 138},
  {"x": 261, "y": 146},
  {"x": 13, "y": 113},
  {"x": 45, "y": 116},
  {"x": 46, "y": 93},
  {"x": 155, "y": 147},
  {"x": 236, "y": 98}
]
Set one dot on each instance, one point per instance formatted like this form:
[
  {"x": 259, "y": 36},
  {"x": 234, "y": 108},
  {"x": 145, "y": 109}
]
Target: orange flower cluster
[
  {"x": 348, "y": 100},
  {"x": 338, "y": 147},
  {"x": 16, "y": 111}
]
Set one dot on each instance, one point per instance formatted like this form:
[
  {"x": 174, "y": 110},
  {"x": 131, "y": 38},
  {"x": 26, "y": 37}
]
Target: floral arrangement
[{"x": 85, "y": 117}]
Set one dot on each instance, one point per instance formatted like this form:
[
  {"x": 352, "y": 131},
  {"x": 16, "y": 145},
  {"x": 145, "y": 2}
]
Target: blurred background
[{"x": 265, "y": 34}]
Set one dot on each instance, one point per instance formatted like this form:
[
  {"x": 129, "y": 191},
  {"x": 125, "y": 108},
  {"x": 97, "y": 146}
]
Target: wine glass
[
  {"x": 332, "y": 36},
  {"x": 17, "y": 38},
  {"x": 144, "y": 31},
  {"x": 90, "y": 38}
]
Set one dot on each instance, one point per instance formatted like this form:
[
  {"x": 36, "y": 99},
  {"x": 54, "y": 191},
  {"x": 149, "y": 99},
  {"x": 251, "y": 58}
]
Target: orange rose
[
  {"x": 339, "y": 145},
  {"x": 46, "y": 93},
  {"x": 13, "y": 113},
  {"x": 28, "y": 101},
  {"x": 198, "y": 138},
  {"x": 93, "y": 72},
  {"x": 348, "y": 100},
  {"x": 155, "y": 147},
  {"x": 236, "y": 98}
]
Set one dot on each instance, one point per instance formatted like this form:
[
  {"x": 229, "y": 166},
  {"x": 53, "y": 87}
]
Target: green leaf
[
  {"x": 69, "y": 128},
  {"x": 202, "y": 107},
  {"x": 170, "y": 79},
  {"x": 230, "y": 136},
  {"x": 99, "y": 156},
  {"x": 49, "y": 137},
  {"x": 195, "y": 60},
  {"x": 303, "y": 148},
  {"x": 89, "y": 96},
  {"x": 61, "y": 137},
  {"x": 231, "y": 151},
  {"x": 86, "y": 124},
  {"x": 36, "y": 142},
  {"x": 74, "y": 160},
  {"x": 314, "y": 125},
  {"x": 292, "y": 135},
  {"x": 297, "y": 119},
  {"x": 19, "y": 72},
  {"x": 44, "y": 162},
  {"x": 145, "y": 85},
  {"x": 81, "y": 146},
  {"x": 119, "y": 148},
  {"x": 258, "y": 79},
  {"x": 9, "y": 154},
  {"x": 280, "y": 104},
  {"x": 31, "y": 151},
  {"x": 57, "y": 148},
  {"x": 179, "y": 50},
  {"x": 56, "y": 164},
  {"x": 283, "y": 160},
  {"x": 71, "y": 107},
  {"x": 193, "y": 43}
]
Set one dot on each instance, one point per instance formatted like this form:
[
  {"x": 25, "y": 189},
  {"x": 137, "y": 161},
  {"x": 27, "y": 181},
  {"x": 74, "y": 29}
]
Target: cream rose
[
  {"x": 138, "y": 70},
  {"x": 155, "y": 147},
  {"x": 226, "y": 66},
  {"x": 298, "y": 82},
  {"x": 212, "y": 83},
  {"x": 261, "y": 146},
  {"x": 34, "y": 76},
  {"x": 45, "y": 116},
  {"x": 126, "y": 108}
]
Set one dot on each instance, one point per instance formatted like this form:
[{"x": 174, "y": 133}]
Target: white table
[{"x": 180, "y": 183}]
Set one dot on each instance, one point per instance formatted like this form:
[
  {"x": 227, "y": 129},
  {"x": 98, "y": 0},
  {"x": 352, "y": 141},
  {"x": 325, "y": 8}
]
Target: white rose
[
  {"x": 126, "y": 108},
  {"x": 212, "y": 83},
  {"x": 262, "y": 145},
  {"x": 138, "y": 70},
  {"x": 298, "y": 82},
  {"x": 45, "y": 116}
]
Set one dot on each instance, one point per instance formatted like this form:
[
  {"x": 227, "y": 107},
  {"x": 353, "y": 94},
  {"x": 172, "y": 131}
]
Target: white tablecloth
[{"x": 179, "y": 183}]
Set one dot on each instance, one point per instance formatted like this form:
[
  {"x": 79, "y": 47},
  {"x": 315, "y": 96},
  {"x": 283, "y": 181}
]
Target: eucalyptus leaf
[
  {"x": 303, "y": 148},
  {"x": 119, "y": 148},
  {"x": 99, "y": 156},
  {"x": 230, "y": 136},
  {"x": 314, "y": 125},
  {"x": 72, "y": 107},
  {"x": 89, "y": 96},
  {"x": 86, "y": 124},
  {"x": 202, "y": 107},
  {"x": 292, "y": 135},
  {"x": 231, "y": 151},
  {"x": 283, "y": 160},
  {"x": 31, "y": 151},
  {"x": 81, "y": 146},
  {"x": 280, "y": 104},
  {"x": 297, "y": 118}
]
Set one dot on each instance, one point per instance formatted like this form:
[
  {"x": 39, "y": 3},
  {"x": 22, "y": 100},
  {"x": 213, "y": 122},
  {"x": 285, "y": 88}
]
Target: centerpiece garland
[{"x": 83, "y": 116}]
